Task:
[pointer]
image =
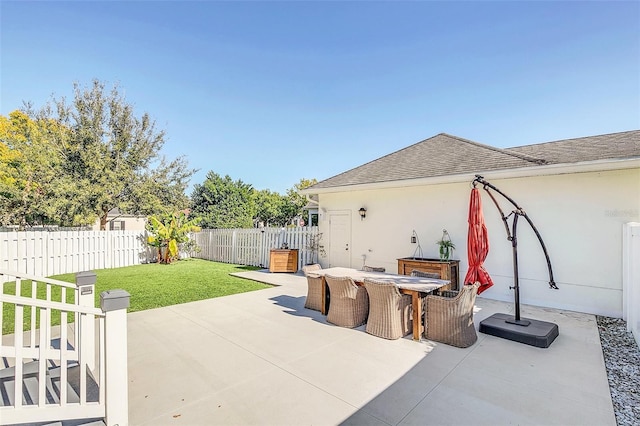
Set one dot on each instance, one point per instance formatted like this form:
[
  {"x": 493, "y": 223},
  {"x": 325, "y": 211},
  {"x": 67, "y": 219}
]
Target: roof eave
[{"x": 543, "y": 170}]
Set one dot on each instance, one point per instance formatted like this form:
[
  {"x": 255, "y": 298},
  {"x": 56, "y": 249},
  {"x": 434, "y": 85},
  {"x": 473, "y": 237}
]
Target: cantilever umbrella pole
[
  {"x": 532, "y": 332},
  {"x": 516, "y": 283},
  {"x": 511, "y": 236}
]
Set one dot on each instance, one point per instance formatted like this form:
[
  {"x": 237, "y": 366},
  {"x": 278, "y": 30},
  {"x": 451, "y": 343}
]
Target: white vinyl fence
[
  {"x": 252, "y": 246},
  {"x": 631, "y": 278},
  {"x": 44, "y": 253}
]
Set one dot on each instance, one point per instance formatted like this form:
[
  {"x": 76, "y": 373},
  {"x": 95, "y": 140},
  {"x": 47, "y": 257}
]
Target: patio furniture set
[{"x": 393, "y": 306}]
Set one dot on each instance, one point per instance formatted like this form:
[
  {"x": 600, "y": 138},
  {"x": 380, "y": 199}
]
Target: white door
[{"x": 340, "y": 239}]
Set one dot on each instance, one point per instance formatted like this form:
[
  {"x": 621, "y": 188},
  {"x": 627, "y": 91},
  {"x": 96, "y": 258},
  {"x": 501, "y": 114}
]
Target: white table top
[{"x": 402, "y": 281}]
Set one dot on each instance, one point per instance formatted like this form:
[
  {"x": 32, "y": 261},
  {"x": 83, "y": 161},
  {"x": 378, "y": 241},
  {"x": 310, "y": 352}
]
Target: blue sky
[{"x": 272, "y": 92}]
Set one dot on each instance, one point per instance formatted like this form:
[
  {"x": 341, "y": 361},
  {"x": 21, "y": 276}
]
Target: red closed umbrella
[{"x": 477, "y": 244}]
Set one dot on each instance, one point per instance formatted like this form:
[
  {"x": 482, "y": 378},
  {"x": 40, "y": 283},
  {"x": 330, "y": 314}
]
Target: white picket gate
[{"x": 76, "y": 370}]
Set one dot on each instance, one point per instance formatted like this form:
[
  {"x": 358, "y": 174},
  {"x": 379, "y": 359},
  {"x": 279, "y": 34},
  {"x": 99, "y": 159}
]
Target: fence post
[
  {"x": 85, "y": 287},
  {"x": 261, "y": 248},
  {"x": 114, "y": 304},
  {"x": 234, "y": 247}
]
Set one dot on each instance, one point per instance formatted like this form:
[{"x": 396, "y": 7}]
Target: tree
[
  {"x": 270, "y": 208},
  {"x": 223, "y": 203},
  {"x": 168, "y": 233},
  {"x": 10, "y": 159},
  {"x": 29, "y": 169},
  {"x": 111, "y": 158},
  {"x": 294, "y": 201}
]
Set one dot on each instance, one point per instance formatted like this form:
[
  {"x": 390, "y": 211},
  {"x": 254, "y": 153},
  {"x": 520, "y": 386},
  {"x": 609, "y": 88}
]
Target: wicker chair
[
  {"x": 314, "y": 287},
  {"x": 314, "y": 292},
  {"x": 373, "y": 268},
  {"x": 349, "y": 303},
  {"x": 389, "y": 311},
  {"x": 449, "y": 320},
  {"x": 310, "y": 268},
  {"x": 416, "y": 273}
]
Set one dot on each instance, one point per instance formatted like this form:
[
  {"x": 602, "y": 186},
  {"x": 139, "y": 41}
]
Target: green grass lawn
[{"x": 151, "y": 286}]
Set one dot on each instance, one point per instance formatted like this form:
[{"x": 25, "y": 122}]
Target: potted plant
[{"x": 446, "y": 246}]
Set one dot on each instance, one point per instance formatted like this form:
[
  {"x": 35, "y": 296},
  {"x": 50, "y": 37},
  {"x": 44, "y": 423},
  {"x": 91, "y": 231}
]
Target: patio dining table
[{"x": 413, "y": 286}]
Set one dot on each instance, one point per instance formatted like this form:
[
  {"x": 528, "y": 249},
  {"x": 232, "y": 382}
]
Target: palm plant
[{"x": 168, "y": 233}]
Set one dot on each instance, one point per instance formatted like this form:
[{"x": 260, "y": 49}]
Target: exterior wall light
[{"x": 363, "y": 213}]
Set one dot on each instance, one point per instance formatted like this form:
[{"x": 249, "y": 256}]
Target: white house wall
[
  {"x": 131, "y": 223},
  {"x": 579, "y": 217}
]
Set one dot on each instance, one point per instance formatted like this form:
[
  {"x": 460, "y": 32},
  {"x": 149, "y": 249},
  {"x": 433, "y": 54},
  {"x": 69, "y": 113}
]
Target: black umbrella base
[{"x": 528, "y": 331}]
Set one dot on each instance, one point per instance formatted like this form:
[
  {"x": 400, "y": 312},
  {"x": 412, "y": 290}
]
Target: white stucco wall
[{"x": 578, "y": 215}]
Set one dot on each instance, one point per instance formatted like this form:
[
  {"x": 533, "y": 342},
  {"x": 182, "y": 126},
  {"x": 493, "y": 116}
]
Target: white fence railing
[
  {"x": 65, "y": 372},
  {"x": 252, "y": 246},
  {"x": 631, "y": 278},
  {"x": 45, "y": 253}
]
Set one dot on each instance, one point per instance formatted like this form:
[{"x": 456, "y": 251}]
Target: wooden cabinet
[
  {"x": 448, "y": 269},
  {"x": 283, "y": 260}
]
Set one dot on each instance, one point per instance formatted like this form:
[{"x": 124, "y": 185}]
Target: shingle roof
[
  {"x": 600, "y": 147},
  {"x": 444, "y": 155}
]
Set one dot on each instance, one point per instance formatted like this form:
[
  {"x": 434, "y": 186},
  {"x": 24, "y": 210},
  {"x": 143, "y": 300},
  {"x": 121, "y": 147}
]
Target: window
[{"x": 117, "y": 225}]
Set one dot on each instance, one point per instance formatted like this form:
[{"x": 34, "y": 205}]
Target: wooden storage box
[
  {"x": 448, "y": 269},
  {"x": 283, "y": 260}
]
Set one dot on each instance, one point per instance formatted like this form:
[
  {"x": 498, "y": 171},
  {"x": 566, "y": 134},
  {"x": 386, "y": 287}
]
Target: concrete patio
[{"x": 262, "y": 358}]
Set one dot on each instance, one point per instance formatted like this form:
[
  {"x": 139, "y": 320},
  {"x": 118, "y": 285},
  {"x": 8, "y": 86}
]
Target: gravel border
[{"x": 622, "y": 361}]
